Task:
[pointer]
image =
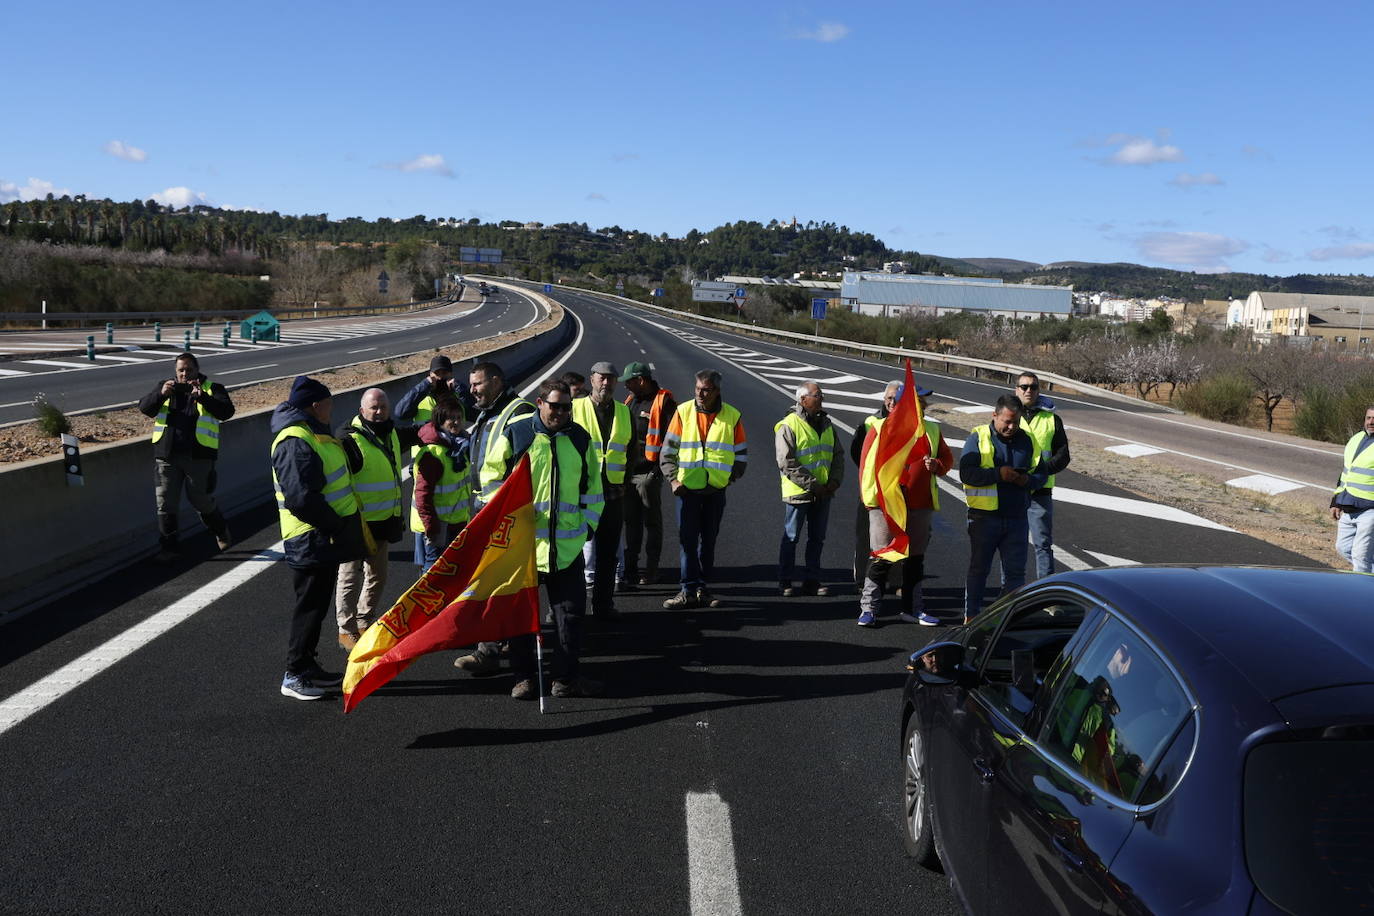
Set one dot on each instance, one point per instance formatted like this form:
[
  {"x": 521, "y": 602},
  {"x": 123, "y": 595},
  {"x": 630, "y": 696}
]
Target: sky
[{"x": 1206, "y": 137}]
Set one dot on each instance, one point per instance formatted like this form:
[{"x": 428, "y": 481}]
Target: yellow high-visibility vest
[
  {"x": 815, "y": 451},
  {"x": 701, "y": 464},
  {"x": 207, "y": 427},
  {"x": 614, "y": 454},
  {"x": 338, "y": 485}
]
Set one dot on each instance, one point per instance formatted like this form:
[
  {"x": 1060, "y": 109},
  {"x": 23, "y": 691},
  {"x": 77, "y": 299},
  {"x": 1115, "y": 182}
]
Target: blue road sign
[
  {"x": 658, "y": 291},
  {"x": 741, "y": 293},
  {"x": 818, "y": 309},
  {"x": 548, "y": 287}
]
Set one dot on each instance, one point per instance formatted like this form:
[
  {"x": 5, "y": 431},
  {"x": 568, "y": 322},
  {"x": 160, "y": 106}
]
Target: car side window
[
  {"x": 1116, "y": 712},
  {"x": 1015, "y": 664}
]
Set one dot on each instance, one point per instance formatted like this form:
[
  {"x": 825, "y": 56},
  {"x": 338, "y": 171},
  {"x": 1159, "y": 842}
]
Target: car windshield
[{"x": 1309, "y": 824}]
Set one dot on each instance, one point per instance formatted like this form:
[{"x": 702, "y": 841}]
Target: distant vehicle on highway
[{"x": 1151, "y": 740}]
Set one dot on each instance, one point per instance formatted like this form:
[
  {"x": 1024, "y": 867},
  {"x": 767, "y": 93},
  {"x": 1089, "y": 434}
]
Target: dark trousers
[
  {"x": 314, "y": 587},
  {"x": 643, "y": 522},
  {"x": 816, "y": 517},
  {"x": 568, "y": 602},
  {"x": 698, "y": 522},
  {"x": 607, "y": 546}
]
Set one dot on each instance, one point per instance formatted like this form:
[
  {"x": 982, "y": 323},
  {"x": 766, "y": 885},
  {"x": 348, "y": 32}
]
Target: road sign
[
  {"x": 658, "y": 291},
  {"x": 818, "y": 309},
  {"x": 548, "y": 287},
  {"x": 741, "y": 292},
  {"x": 382, "y": 282}
]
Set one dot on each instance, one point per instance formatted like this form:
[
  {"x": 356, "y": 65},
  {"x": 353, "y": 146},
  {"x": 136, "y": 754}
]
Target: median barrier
[{"x": 58, "y": 538}]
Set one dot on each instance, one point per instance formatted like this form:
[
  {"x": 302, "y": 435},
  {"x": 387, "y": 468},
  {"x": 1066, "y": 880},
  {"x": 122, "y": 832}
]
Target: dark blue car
[{"x": 1151, "y": 740}]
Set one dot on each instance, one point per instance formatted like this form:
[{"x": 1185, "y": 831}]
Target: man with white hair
[
  {"x": 812, "y": 466},
  {"x": 856, "y": 449}
]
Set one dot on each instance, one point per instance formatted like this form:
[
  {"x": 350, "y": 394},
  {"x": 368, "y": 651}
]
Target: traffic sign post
[
  {"x": 818, "y": 313},
  {"x": 90, "y": 347},
  {"x": 658, "y": 292},
  {"x": 109, "y": 332},
  {"x": 740, "y": 295},
  {"x": 548, "y": 287}
]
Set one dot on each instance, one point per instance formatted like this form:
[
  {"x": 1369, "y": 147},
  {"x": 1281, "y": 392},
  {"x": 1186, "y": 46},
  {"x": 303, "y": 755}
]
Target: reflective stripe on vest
[
  {"x": 207, "y": 427},
  {"x": 813, "y": 451},
  {"x": 338, "y": 486},
  {"x": 490, "y": 475},
  {"x": 378, "y": 483},
  {"x": 653, "y": 435},
  {"x": 614, "y": 454},
  {"x": 707, "y": 464},
  {"x": 1357, "y": 478},
  {"x": 868, "y": 470},
  {"x": 452, "y": 494},
  {"x": 1041, "y": 430},
  {"x": 573, "y": 512},
  {"x": 984, "y": 498}
]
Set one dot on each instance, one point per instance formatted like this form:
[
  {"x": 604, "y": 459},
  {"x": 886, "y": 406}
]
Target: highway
[
  {"x": 746, "y": 758},
  {"x": 119, "y": 379}
]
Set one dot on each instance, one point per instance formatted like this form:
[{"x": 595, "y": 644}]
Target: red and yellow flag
[
  {"x": 898, "y": 435},
  {"x": 484, "y": 587}
]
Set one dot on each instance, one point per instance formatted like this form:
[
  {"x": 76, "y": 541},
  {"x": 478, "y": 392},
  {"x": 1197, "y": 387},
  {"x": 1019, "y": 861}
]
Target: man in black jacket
[{"x": 187, "y": 411}]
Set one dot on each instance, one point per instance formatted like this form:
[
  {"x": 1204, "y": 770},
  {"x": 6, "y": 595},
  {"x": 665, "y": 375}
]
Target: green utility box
[{"x": 267, "y": 327}]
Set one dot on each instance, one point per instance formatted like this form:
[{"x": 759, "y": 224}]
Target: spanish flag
[
  {"x": 484, "y": 587},
  {"x": 898, "y": 435}
]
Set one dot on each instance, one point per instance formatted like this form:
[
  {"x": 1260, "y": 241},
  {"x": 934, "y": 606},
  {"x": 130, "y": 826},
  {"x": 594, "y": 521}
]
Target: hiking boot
[
  {"x": 706, "y": 599},
  {"x": 347, "y": 641},
  {"x": 680, "y": 601},
  {"x": 299, "y": 687},
  {"x": 578, "y": 687},
  {"x": 478, "y": 664},
  {"x": 814, "y": 588},
  {"x": 525, "y": 689},
  {"x": 321, "y": 678}
]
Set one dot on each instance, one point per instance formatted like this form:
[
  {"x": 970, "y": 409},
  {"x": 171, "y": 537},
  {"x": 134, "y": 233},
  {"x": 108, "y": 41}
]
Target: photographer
[
  {"x": 417, "y": 405},
  {"x": 186, "y": 411}
]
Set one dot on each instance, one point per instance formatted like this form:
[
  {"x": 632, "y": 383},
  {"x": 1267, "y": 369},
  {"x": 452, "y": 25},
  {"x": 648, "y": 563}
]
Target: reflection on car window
[
  {"x": 1118, "y": 710},
  {"x": 1016, "y": 664}
]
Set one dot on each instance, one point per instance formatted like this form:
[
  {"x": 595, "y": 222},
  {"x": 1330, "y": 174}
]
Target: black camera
[{"x": 181, "y": 389}]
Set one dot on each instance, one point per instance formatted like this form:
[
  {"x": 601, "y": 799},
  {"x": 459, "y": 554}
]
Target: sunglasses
[
  {"x": 559, "y": 405},
  {"x": 1028, "y": 387}
]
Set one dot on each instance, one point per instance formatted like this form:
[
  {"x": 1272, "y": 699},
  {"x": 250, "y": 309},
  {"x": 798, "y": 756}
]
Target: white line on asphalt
[
  {"x": 363, "y": 350},
  {"x": 1068, "y": 559},
  {"x": 18, "y": 403},
  {"x": 1172, "y": 451},
  {"x": 714, "y": 883},
  {"x": 54, "y": 362},
  {"x": 64, "y": 680},
  {"x": 15, "y": 372},
  {"x": 1109, "y": 560},
  {"x": 559, "y": 365},
  {"x": 1133, "y": 507},
  {"x": 247, "y": 369}
]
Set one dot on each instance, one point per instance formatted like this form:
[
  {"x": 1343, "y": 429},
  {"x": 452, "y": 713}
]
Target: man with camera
[
  {"x": 417, "y": 405},
  {"x": 187, "y": 411}
]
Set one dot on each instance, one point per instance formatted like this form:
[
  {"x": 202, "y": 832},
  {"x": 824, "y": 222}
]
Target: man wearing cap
[
  {"x": 1046, "y": 430},
  {"x": 703, "y": 453},
  {"x": 187, "y": 411},
  {"x": 417, "y": 405},
  {"x": 929, "y": 460},
  {"x": 651, "y": 408},
  {"x": 812, "y": 465},
  {"x": 607, "y": 421},
  {"x": 320, "y": 525}
]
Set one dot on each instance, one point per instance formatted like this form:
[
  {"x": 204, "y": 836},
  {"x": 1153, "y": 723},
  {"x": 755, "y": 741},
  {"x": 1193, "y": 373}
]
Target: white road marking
[
  {"x": 14, "y": 372},
  {"x": 246, "y": 369},
  {"x": 126, "y": 359},
  {"x": 1133, "y": 450},
  {"x": 1109, "y": 560},
  {"x": 54, "y": 362},
  {"x": 1068, "y": 559},
  {"x": 973, "y": 408},
  {"x": 1133, "y": 507},
  {"x": 363, "y": 350},
  {"x": 714, "y": 883},
  {"x": 1263, "y": 483},
  {"x": 1225, "y": 464},
  {"x": 37, "y": 696},
  {"x": 559, "y": 365}
]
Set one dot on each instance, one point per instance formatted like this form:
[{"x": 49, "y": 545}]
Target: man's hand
[
  {"x": 1007, "y": 473},
  {"x": 1336, "y": 513},
  {"x": 931, "y": 464},
  {"x": 168, "y": 386},
  {"x": 675, "y": 485}
]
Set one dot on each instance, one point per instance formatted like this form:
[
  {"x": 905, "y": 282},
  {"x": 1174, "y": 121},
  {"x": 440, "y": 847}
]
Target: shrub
[
  {"x": 51, "y": 420},
  {"x": 1333, "y": 414},
  {"x": 1226, "y": 397}
]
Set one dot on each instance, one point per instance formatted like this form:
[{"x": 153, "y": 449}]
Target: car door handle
[
  {"x": 1070, "y": 858},
  {"x": 985, "y": 772}
]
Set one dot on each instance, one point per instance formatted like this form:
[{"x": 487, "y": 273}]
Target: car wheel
[{"x": 918, "y": 832}]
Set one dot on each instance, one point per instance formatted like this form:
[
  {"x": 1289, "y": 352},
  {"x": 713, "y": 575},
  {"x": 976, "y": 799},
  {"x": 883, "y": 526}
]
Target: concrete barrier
[{"x": 57, "y": 538}]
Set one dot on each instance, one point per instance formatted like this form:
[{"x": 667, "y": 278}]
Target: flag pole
[{"x": 539, "y": 665}]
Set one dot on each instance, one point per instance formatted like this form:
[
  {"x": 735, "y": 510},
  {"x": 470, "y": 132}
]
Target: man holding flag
[{"x": 903, "y": 456}]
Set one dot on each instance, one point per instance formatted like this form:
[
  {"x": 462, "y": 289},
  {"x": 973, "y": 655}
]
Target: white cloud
[
  {"x": 1343, "y": 252},
  {"x": 1142, "y": 150},
  {"x": 121, "y": 150},
  {"x": 1340, "y": 233},
  {"x": 1203, "y": 252},
  {"x": 1186, "y": 180},
  {"x": 596, "y": 195},
  {"x": 181, "y": 197},
  {"x": 1276, "y": 256},
  {"x": 825, "y": 32},
  {"x": 36, "y": 189},
  {"x": 425, "y": 162}
]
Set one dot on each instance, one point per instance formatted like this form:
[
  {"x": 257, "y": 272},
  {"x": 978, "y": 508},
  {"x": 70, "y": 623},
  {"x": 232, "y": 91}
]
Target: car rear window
[{"x": 1309, "y": 824}]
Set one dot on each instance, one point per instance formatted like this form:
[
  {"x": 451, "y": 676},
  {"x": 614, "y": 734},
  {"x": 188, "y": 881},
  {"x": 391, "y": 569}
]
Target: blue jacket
[
  {"x": 300, "y": 474},
  {"x": 1017, "y": 453},
  {"x": 410, "y": 401}
]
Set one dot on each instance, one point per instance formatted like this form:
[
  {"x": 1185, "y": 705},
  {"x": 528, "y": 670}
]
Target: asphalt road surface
[
  {"x": 747, "y": 758},
  {"x": 120, "y": 379}
]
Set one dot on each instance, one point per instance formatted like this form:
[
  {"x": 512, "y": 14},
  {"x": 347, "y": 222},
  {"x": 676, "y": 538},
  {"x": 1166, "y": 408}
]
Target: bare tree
[
  {"x": 360, "y": 288},
  {"x": 1279, "y": 371},
  {"x": 304, "y": 276}
]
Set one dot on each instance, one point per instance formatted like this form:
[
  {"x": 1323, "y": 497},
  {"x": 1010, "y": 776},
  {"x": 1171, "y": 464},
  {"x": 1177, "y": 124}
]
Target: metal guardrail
[
  {"x": 922, "y": 357},
  {"x": 231, "y": 314}
]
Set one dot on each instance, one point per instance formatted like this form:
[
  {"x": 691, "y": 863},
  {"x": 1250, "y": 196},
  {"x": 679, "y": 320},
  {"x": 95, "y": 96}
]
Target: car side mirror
[{"x": 940, "y": 664}]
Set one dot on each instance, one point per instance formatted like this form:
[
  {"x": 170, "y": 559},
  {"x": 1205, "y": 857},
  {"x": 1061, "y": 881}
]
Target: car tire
[{"x": 918, "y": 832}]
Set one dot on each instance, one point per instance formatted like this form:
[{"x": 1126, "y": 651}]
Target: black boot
[
  {"x": 167, "y": 539},
  {"x": 219, "y": 528}
]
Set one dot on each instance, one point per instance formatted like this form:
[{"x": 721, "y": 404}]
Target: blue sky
[{"x": 1192, "y": 136}]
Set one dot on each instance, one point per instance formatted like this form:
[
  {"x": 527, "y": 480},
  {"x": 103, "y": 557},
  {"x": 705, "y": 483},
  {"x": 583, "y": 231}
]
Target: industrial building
[
  {"x": 1342, "y": 322},
  {"x": 895, "y": 294}
]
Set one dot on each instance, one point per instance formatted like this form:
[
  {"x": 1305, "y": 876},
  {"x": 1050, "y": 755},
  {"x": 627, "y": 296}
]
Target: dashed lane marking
[
  {"x": 247, "y": 369},
  {"x": 1107, "y": 559},
  {"x": 714, "y": 881},
  {"x": 39, "y": 695},
  {"x": 54, "y": 362},
  {"x": 1263, "y": 483},
  {"x": 1134, "y": 450}
]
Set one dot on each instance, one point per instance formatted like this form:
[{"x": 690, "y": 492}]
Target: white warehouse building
[{"x": 892, "y": 294}]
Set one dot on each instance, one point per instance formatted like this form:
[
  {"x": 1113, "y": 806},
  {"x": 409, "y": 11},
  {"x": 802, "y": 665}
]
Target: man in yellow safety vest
[
  {"x": 1352, "y": 505},
  {"x": 607, "y": 421},
  {"x": 1046, "y": 430},
  {"x": 811, "y": 463}
]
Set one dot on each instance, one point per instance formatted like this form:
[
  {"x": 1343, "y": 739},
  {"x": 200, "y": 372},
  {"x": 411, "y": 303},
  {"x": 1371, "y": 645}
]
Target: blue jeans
[
  {"x": 816, "y": 516},
  {"x": 1355, "y": 539},
  {"x": 1040, "y": 518},
  {"x": 698, "y": 523},
  {"x": 989, "y": 534}
]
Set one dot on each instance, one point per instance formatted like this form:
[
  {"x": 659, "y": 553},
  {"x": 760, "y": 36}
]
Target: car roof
[{"x": 1285, "y": 630}]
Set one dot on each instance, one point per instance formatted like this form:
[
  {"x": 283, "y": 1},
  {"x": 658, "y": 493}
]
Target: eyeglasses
[
  {"x": 559, "y": 405},
  {"x": 1028, "y": 387}
]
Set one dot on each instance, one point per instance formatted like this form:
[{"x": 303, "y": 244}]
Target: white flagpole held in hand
[{"x": 539, "y": 666}]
